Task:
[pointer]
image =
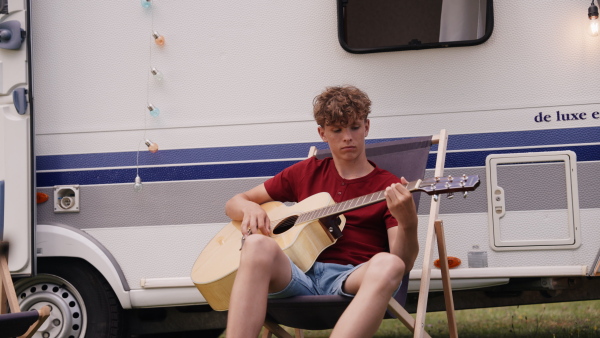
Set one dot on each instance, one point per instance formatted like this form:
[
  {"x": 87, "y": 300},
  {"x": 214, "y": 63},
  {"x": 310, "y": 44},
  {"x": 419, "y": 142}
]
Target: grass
[{"x": 573, "y": 319}]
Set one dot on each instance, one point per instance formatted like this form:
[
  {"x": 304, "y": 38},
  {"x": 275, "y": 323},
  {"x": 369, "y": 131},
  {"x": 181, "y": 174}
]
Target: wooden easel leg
[{"x": 441, "y": 242}]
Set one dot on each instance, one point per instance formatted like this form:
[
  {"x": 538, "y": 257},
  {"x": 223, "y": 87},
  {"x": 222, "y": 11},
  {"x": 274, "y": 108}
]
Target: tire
[{"x": 82, "y": 303}]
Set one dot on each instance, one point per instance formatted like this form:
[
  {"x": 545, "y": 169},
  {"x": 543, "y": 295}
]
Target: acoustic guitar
[{"x": 302, "y": 230}]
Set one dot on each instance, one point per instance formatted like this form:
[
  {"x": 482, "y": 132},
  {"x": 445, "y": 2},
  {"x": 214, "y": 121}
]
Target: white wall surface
[{"x": 235, "y": 70}]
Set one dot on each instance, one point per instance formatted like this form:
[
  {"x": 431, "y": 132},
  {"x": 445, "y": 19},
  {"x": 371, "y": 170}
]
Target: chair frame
[
  {"x": 8, "y": 294},
  {"x": 435, "y": 231}
]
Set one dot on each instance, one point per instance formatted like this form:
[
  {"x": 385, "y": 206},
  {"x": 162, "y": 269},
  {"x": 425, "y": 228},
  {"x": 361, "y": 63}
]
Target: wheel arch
[{"x": 55, "y": 241}]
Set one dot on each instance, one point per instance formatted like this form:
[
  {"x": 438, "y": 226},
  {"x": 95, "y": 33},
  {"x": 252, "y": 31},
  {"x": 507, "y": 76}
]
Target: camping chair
[
  {"x": 16, "y": 323},
  {"x": 406, "y": 158}
]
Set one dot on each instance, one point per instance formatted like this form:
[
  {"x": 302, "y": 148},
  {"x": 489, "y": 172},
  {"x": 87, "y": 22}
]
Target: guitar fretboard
[{"x": 349, "y": 205}]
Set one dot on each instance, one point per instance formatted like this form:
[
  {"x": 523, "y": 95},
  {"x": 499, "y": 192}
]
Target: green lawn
[{"x": 573, "y": 319}]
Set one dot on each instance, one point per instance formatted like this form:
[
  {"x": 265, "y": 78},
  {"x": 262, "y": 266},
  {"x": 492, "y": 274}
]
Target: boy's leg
[
  {"x": 264, "y": 269},
  {"x": 373, "y": 284}
]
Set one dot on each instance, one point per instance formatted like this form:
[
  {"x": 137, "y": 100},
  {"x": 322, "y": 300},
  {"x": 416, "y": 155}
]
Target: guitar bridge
[{"x": 331, "y": 225}]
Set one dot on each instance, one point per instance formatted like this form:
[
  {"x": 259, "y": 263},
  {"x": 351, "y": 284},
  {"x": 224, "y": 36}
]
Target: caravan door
[{"x": 16, "y": 161}]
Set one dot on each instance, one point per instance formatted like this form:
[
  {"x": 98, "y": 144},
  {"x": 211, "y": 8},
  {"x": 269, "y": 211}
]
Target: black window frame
[{"x": 489, "y": 27}]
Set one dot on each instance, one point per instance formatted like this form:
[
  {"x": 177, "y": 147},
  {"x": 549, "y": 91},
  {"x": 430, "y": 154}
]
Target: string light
[
  {"x": 593, "y": 16},
  {"x": 156, "y": 74},
  {"x": 153, "y": 110},
  {"x": 152, "y": 147},
  {"x": 158, "y": 39},
  {"x": 137, "y": 186}
]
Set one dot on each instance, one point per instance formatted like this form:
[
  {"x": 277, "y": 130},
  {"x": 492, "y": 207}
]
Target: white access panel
[{"x": 533, "y": 201}]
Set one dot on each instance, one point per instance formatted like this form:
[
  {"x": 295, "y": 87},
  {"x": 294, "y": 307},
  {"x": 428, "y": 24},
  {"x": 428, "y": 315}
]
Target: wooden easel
[{"x": 435, "y": 229}]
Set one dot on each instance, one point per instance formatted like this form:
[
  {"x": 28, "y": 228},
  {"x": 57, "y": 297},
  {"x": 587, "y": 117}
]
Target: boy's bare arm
[
  {"x": 403, "y": 239},
  {"x": 245, "y": 207}
]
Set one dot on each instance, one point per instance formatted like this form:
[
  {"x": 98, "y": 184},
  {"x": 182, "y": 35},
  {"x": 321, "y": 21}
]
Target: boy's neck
[{"x": 358, "y": 168}]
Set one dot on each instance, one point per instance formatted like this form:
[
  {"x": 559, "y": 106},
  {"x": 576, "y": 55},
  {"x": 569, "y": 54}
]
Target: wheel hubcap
[{"x": 67, "y": 310}]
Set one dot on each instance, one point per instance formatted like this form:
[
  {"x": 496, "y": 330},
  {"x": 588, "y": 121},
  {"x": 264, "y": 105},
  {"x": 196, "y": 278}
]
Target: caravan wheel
[{"x": 81, "y": 301}]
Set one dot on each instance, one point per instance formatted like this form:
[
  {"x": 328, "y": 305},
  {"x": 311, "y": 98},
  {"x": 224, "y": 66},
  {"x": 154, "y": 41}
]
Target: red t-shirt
[{"x": 365, "y": 232}]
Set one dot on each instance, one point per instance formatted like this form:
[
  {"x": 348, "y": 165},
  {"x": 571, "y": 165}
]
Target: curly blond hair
[{"x": 341, "y": 105}]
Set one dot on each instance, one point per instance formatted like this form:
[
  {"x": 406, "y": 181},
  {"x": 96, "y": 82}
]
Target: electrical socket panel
[{"x": 66, "y": 198}]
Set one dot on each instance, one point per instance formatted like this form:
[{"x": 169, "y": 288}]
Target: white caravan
[{"x": 224, "y": 89}]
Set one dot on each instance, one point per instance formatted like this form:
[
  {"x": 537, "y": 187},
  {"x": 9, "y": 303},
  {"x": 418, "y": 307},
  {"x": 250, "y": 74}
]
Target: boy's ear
[
  {"x": 321, "y": 131},
  {"x": 367, "y": 127}
]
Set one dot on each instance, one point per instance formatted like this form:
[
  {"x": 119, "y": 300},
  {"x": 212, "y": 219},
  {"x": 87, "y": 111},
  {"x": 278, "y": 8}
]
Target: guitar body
[{"x": 215, "y": 269}]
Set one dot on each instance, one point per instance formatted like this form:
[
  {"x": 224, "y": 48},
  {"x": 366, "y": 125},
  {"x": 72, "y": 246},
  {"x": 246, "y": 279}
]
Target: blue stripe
[
  {"x": 177, "y": 156},
  {"x": 159, "y": 174},
  {"x": 477, "y": 158},
  {"x": 530, "y": 139},
  {"x": 218, "y": 171},
  {"x": 180, "y": 156}
]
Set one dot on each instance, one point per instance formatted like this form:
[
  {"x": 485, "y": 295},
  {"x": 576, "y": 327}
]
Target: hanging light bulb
[
  {"x": 156, "y": 74},
  {"x": 152, "y": 147},
  {"x": 153, "y": 110},
  {"x": 137, "y": 186},
  {"x": 593, "y": 15},
  {"x": 158, "y": 39},
  {"x": 146, "y": 3}
]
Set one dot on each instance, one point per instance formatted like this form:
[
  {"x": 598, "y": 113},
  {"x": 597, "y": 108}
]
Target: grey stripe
[{"x": 198, "y": 202}]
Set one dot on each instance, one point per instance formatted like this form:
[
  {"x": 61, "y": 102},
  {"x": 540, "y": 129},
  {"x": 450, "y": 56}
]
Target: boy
[{"x": 379, "y": 243}]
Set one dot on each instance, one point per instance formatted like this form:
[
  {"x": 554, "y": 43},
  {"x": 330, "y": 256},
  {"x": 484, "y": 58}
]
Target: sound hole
[{"x": 285, "y": 225}]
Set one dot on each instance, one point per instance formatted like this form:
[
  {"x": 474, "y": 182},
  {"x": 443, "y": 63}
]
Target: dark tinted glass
[{"x": 385, "y": 25}]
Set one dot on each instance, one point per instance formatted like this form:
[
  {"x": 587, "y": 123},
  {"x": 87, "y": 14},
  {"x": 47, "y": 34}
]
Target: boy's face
[{"x": 346, "y": 143}]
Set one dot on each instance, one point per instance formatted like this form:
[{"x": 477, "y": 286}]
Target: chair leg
[
  {"x": 44, "y": 314},
  {"x": 3, "y": 299},
  {"x": 267, "y": 333},
  {"x": 434, "y": 210},
  {"x": 274, "y": 328},
  {"x": 441, "y": 242},
  {"x": 403, "y": 316},
  {"x": 8, "y": 288}
]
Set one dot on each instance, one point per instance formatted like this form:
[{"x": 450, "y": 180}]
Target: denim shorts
[{"x": 320, "y": 279}]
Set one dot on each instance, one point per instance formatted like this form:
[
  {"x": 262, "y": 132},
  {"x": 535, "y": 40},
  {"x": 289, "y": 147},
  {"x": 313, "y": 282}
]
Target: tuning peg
[
  {"x": 450, "y": 195},
  {"x": 436, "y": 197},
  {"x": 465, "y": 194},
  {"x": 450, "y": 178}
]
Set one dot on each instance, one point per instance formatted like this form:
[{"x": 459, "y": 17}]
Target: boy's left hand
[{"x": 401, "y": 204}]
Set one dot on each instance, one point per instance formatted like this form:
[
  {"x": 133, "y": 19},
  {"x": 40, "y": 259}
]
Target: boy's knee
[
  {"x": 258, "y": 248},
  {"x": 387, "y": 267}
]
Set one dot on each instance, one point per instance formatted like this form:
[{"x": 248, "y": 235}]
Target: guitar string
[{"x": 288, "y": 222}]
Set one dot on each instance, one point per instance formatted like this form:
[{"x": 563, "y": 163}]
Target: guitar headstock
[{"x": 449, "y": 185}]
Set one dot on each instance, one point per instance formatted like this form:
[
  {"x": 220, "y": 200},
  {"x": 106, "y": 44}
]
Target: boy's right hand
[{"x": 255, "y": 220}]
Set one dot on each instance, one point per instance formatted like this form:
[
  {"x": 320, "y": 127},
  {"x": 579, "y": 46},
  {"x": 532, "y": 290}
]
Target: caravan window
[{"x": 367, "y": 26}]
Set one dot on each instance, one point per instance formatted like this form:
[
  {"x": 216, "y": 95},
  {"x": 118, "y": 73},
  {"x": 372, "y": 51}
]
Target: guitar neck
[{"x": 349, "y": 205}]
